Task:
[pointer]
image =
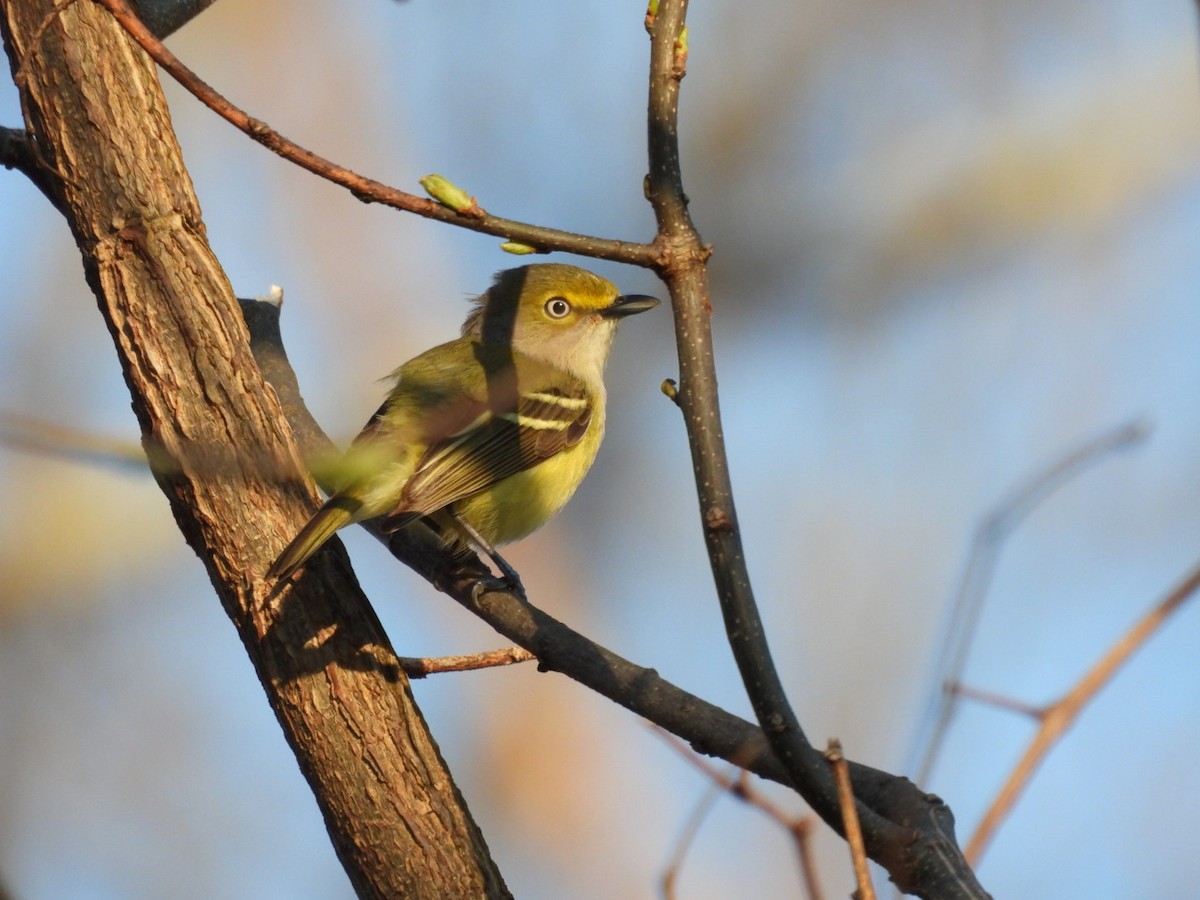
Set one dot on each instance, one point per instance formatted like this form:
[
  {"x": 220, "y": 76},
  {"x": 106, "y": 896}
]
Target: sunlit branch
[
  {"x": 367, "y": 189},
  {"x": 1058, "y": 717},
  {"x": 854, "y": 837},
  {"x": 980, "y": 567},
  {"x": 799, "y": 827},
  {"x": 419, "y": 667}
]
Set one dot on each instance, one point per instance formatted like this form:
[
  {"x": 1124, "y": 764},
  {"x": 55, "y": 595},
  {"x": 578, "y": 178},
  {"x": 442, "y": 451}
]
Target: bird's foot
[{"x": 509, "y": 582}]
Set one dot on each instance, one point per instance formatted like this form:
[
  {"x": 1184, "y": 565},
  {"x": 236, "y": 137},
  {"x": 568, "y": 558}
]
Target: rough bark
[{"x": 224, "y": 457}]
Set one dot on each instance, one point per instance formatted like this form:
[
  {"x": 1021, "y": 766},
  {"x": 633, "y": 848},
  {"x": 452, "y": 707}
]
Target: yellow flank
[
  {"x": 497, "y": 428},
  {"x": 522, "y": 503}
]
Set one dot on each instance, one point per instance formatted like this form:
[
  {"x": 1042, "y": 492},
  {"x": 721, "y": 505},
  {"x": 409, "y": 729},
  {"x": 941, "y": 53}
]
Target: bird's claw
[{"x": 510, "y": 583}]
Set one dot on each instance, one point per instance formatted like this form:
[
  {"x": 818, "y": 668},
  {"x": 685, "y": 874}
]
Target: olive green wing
[{"x": 530, "y": 425}]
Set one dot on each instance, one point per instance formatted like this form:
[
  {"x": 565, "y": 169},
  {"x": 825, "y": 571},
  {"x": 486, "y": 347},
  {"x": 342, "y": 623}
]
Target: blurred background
[{"x": 953, "y": 241}]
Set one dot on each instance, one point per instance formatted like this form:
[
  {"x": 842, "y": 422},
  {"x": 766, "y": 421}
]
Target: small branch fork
[
  {"x": 799, "y": 827},
  {"x": 367, "y": 189},
  {"x": 1056, "y": 719},
  {"x": 971, "y": 592}
]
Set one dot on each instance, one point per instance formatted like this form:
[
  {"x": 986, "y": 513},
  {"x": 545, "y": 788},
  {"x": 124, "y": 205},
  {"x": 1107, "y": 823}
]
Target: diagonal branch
[
  {"x": 687, "y": 279},
  {"x": 1058, "y": 717},
  {"x": 982, "y": 559},
  {"x": 367, "y": 189}
]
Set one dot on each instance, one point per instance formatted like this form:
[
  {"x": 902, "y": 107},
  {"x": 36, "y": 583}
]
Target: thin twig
[
  {"x": 800, "y": 827},
  {"x": 686, "y": 836},
  {"x": 980, "y": 568},
  {"x": 1000, "y": 701},
  {"x": 367, "y": 189},
  {"x": 1058, "y": 717},
  {"x": 420, "y": 666},
  {"x": 858, "y": 853}
]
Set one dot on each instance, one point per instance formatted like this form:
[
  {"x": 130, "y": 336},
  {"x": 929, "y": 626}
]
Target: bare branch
[
  {"x": 367, "y": 189},
  {"x": 419, "y": 667},
  {"x": 890, "y": 840},
  {"x": 858, "y": 855},
  {"x": 980, "y": 567},
  {"x": 800, "y": 827},
  {"x": 1058, "y": 717}
]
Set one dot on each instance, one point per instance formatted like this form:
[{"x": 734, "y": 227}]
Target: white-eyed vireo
[{"x": 490, "y": 434}]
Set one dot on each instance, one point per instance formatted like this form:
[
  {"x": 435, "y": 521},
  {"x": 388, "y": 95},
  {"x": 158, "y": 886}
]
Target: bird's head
[{"x": 560, "y": 314}]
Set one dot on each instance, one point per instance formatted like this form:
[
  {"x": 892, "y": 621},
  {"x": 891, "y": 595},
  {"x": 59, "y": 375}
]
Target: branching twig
[
  {"x": 1059, "y": 716},
  {"x": 367, "y": 189},
  {"x": 800, "y": 827},
  {"x": 980, "y": 567}
]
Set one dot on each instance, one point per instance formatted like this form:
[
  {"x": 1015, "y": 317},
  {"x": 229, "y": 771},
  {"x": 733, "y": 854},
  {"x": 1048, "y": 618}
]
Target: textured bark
[{"x": 224, "y": 457}]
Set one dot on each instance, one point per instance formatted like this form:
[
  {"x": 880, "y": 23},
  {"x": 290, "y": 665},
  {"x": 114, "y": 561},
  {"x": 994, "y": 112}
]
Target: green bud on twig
[
  {"x": 518, "y": 249},
  {"x": 450, "y": 195},
  {"x": 681, "y": 53}
]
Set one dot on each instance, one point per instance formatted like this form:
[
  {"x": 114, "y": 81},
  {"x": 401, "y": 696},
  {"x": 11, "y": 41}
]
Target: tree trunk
[{"x": 224, "y": 457}]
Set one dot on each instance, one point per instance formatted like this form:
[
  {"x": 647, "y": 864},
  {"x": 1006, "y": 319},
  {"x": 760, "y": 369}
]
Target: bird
[{"x": 486, "y": 437}]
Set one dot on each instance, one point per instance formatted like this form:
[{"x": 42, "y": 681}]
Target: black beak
[{"x": 628, "y": 304}]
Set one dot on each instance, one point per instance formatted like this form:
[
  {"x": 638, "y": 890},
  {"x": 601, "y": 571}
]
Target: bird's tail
[{"x": 336, "y": 513}]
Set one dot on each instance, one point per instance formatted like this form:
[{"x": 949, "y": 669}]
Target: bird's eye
[{"x": 557, "y": 307}]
